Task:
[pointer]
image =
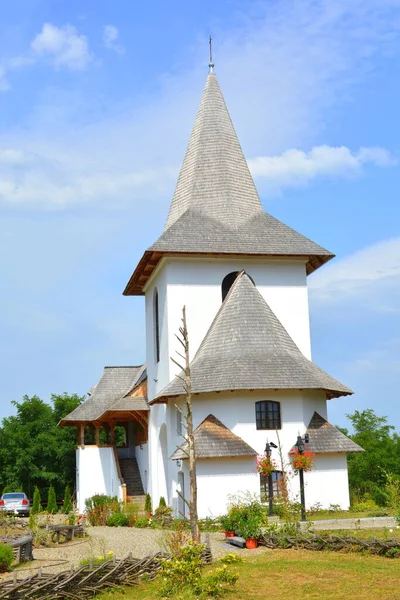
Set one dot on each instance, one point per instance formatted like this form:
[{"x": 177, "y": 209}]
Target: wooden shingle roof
[
  {"x": 111, "y": 393},
  {"x": 247, "y": 348},
  {"x": 216, "y": 208},
  {"x": 326, "y": 439},
  {"x": 212, "y": 439}
]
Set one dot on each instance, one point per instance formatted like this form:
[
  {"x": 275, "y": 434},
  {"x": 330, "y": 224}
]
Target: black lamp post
[
  {"x": 300, "y": 445},
  {"x": 268, "y": 452}
]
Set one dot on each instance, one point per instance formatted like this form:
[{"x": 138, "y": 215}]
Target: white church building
[{"x": 242, "y": 276}]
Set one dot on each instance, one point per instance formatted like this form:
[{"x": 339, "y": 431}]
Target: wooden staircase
[{"x": 131, "y": 476}]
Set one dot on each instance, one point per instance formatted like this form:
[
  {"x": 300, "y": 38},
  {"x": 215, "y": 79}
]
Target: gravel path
[{"x": 120, "y": 540}]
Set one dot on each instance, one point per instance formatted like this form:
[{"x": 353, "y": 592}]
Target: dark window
[
  {"x": 276, "y": 486},
  {"x": 268, "y": 415},
  {"x": 228, "y": 281},
  {"x": 156, "y": 326}
]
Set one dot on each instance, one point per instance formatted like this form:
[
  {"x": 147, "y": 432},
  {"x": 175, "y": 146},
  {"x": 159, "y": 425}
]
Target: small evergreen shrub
[
  {"x": 36, "y": 504},
  {"x": 6, "y": 557},
  {"x": 147, "y": 505},
  {"x": 162, "y": 503},
  {"x": 51, "y": 501},
  {"x": 67, "y": 505},
  {"x": 117, "y": 519}
]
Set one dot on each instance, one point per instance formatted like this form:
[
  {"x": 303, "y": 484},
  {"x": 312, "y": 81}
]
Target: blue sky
[{"x": 97, "y": 101}]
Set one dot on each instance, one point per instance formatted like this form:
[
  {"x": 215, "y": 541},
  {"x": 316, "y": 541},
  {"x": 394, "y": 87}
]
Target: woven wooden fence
[
  {"x": 389, "y": 548},
  {"x": 87, "y": 581}
]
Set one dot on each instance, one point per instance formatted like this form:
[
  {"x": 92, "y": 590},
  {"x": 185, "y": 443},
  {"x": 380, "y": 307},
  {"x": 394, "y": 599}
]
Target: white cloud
[
  {"x": 369, "y": 278},
  {"x": 111, "y": 37},
  {"x": 296, "y": 168},
  {"x": 290, "y": 76},
  {"x": 64, "y": 46}
]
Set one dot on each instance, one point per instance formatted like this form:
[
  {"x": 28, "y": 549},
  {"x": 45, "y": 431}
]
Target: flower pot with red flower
[
  {"x": 228, "y": 525},
  {"x": 302, "y": 461},
  {"x": 250, "y": 530},
  {"x": 265, "y": 465}
]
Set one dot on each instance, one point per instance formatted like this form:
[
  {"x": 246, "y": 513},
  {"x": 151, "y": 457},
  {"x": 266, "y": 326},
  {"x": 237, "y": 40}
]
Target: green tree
[
  {"x": 51, "y": 501},
  {"x": 36, "y": 504},
  {"x": 382, "y": 447},
  {"x": 67, "y": 505},
  {"x": 34, "y": 451}
]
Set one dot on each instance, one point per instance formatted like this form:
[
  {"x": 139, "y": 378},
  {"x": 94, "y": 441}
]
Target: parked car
[{"x": 15, "y": 503}]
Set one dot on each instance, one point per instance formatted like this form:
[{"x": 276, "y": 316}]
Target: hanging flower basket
[
  {"x": 302, "y": 461},
  {"x": 265, "y": 465}
]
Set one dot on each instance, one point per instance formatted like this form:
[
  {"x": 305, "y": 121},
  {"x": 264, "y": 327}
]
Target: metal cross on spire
[{"x": 211, "y": 64}]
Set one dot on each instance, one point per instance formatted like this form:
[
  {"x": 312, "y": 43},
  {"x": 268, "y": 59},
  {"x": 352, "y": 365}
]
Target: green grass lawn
[{"x": 284, "y": 574}]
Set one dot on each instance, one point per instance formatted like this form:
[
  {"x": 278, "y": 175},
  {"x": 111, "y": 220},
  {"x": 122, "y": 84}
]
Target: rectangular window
[
  {"x": 276, "y": 486},
  {"x": 268, "y": 415}
]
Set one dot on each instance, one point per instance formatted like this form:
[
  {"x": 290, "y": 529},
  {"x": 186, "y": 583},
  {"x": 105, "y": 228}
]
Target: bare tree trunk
[{"x": 184, "y": 339}]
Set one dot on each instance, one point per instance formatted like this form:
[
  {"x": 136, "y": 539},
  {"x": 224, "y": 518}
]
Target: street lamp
[
  {"x": 300, "y": 445},
  {"x": 268, "y": 452}
]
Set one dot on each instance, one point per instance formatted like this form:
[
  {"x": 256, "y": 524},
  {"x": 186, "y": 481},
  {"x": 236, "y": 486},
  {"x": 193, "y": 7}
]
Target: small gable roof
[
  {"x": 325, "y": 438},
  {"x": 247, "y": 348},
  {"x": 213, "y": 439},
  {"x": 110, "y": 393}
]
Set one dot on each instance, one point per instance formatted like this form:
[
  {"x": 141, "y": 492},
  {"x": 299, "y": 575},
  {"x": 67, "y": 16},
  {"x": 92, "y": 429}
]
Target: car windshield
[{"x": 13, "y": 496}]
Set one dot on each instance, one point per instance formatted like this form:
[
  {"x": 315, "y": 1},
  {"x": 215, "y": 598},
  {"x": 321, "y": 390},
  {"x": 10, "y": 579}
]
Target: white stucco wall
[
  {"x": 96, "y": 474},
  {"x": 142, "y": 458},
  {"x": 196, "y": 283},
  {"x": 237, "y": 412},
  {"x": 328, "y": 482},
  {"x": 218, "y": 479}
]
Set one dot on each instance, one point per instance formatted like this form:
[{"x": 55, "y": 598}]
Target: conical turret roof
[
  {"x": 214, "y": 179},
  {"x": 247, "y": 348},
  {"x": 216, "y": 208}
]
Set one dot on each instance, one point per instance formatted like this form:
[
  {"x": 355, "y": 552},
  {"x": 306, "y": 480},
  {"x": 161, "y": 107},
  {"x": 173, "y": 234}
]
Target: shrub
[
  {"x": 142, "y": 522},
  {"x": 230, "y": 559},
  {"x": 364, "y": 506},
  {"x": 36, "y": 504},
  {"x": 163, "y": 516},
  {"x": 182, "y": 570},
  {"x": 162, "y": 503},
  {"x": 6, "y": 557},
  {"x": 228, "y": 523},
  {"x": 99, "y": 507},
  {"x": 216, "y": 583},
  {"x": 147, "y": 505},
  {"x": 173, "y": 541},
  {"x": 51, "y": 501},
  {"x": 118, "y": 519},
  {"x": 250, "y": 527},
  {"x": 67, "y": 505}
]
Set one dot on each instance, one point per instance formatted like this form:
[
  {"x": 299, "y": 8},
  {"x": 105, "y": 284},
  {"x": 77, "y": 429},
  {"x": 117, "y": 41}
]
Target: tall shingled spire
[
  {"x": 214, "y": 179},
  {"x": 215, "y": 208}
]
